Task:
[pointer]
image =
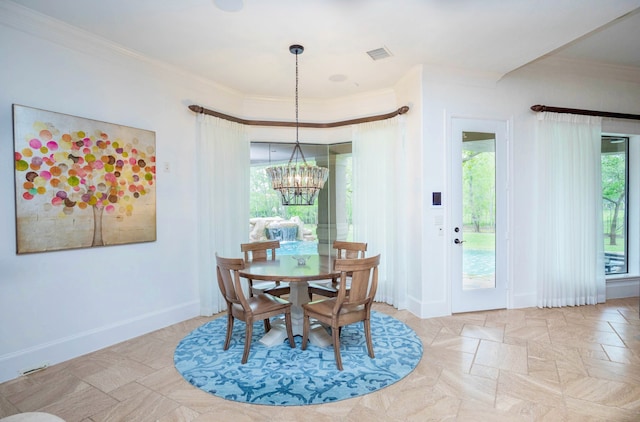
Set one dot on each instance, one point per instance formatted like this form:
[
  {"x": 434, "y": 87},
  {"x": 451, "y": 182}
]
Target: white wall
[
  {"x": 57, "y": 305},
  {"x": 553, "y": 82}
]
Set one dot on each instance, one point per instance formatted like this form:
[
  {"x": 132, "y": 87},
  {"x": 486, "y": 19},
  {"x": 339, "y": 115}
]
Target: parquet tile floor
[{"x": 565, "y": 364}]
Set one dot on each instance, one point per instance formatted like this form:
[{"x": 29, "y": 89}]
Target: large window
[
  {"x": 302, "y": 230},
  {"x": 615, "y": 177}
]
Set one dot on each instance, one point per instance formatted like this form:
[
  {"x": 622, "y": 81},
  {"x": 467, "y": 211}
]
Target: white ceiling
[{"x": 248, "y": 50}]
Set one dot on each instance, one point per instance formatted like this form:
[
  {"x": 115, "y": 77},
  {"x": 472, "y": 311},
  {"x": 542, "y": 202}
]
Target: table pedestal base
[
  {"x": 318, "y": 335},
  {"x": 298, "y": 295}
]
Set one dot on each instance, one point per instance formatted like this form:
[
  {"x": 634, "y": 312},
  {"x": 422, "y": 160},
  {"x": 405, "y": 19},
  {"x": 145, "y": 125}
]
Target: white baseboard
[
  {"x": 411, "y": 305},
  {"x": 525, "y": 300},
  {"x": 13, "y": 365},
  {"x": 618, "y": 289},
  {"x": 432, "y": 309}
]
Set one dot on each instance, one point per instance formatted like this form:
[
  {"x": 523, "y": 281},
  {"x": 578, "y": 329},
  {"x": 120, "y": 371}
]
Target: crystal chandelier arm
[{"x": 293, "y": 153}]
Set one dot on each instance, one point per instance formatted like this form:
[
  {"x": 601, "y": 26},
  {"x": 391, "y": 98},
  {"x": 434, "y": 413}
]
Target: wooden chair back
[
  {"x": 229, "y": 280},
  {"x": 345, "y": 309},
  {"x": 364, "y": 282},
  {"x": 259, "y": 251},
  {"x": 344, "y": 250},
  {"x": 349, "y": 250}
]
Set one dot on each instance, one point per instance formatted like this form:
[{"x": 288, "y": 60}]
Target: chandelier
[{"x": 299, "y": 183}]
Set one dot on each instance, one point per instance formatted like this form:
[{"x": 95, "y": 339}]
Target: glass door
[{"x": 478, "y": 235}]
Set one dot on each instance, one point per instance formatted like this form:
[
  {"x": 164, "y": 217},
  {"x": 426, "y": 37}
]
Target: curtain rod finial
[{"x": 538, "y": 107}]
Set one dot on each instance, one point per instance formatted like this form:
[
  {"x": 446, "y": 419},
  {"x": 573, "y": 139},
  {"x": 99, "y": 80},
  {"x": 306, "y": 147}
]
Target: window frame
[
  {"x": 331, "y": 223},
  {"x": 630, "y": 130},
  {"x": 625, "y": 220}
]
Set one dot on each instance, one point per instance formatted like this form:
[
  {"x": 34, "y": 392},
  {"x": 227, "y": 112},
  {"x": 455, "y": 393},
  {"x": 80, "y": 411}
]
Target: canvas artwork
[{"x": 81, "y": 183}]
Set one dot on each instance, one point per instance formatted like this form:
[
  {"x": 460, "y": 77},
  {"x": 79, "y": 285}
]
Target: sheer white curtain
[
  {"x": 223, "y": 202},
  {"x": 571, "y": 244},
  {"x": 378, "y": 206}
]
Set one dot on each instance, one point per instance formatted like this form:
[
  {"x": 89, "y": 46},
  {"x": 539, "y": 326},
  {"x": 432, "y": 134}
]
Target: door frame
[{"x": 503, "y": 182}]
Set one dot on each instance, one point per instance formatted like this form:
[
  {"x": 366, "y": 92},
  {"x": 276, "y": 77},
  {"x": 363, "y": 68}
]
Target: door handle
[{"x": 458, "y": 241}]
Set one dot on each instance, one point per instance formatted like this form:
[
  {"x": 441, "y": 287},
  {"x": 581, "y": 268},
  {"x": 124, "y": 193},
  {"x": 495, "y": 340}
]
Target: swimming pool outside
[
  {"x": 475, "y": 262},
  {"x": 297, "y": 247},
  {"x": 478, "y": 262}
]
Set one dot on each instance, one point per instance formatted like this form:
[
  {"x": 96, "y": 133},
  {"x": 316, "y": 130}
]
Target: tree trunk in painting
[{"x": 97, "y": 226}]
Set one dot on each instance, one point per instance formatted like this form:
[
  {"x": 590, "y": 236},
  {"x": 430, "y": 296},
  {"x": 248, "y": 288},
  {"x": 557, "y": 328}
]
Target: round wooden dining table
[{"x": 297, "y": 271}]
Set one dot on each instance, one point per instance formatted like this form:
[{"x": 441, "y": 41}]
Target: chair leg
[
  {"x": 305, "y": 331},
  {"x": 339, "y": 330},
  {"x": 367, "y": 334},
  {"x": 247, "y": 341},
  {"x": 227, "y": 340},
  {"x": 267, "y": 325},
  {"x": 287, "y": 321},
  {"x": 335, "y": 333}
]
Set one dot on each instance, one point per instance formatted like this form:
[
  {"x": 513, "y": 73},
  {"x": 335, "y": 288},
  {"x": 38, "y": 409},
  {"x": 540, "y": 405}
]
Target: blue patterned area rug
[{"x": 282, "y": 376}]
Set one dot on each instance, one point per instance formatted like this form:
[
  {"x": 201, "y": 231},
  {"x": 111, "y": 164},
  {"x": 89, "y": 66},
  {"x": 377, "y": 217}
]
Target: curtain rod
[
  {"x": 199, "y": 109},
  {"x": 539, "y": 108}
]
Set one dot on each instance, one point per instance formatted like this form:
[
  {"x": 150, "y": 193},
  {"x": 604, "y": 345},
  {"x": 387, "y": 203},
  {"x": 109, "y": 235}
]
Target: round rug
[{"x": 282, "y": 376}]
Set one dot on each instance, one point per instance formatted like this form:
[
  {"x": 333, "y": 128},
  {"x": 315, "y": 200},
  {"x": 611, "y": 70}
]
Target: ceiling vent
[{"x": 379, "y": 53}]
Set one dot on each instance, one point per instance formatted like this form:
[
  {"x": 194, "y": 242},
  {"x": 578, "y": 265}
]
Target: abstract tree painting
[{"x": 81, "y": 183}]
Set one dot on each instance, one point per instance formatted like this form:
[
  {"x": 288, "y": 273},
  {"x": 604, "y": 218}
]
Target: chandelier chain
[
  {"x": 297, "y": 121},
  {"x": 297, "y": 183}
]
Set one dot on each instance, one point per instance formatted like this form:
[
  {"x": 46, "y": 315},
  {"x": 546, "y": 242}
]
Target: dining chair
[
  {"x": 259, "y": 251},
  {"x": 346, "y": 309},
  {"x": 344, "y": 250},
  {"x": 247, "y": 309}
]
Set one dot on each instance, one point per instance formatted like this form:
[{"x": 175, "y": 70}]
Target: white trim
[
  {"x": 618, "y": 289},
  {"x": 432, "y": 309},
  {"x": 13, "y": 364},
  {"x": 503, "y": 209},
  {"x": 524, "y": 300}
]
